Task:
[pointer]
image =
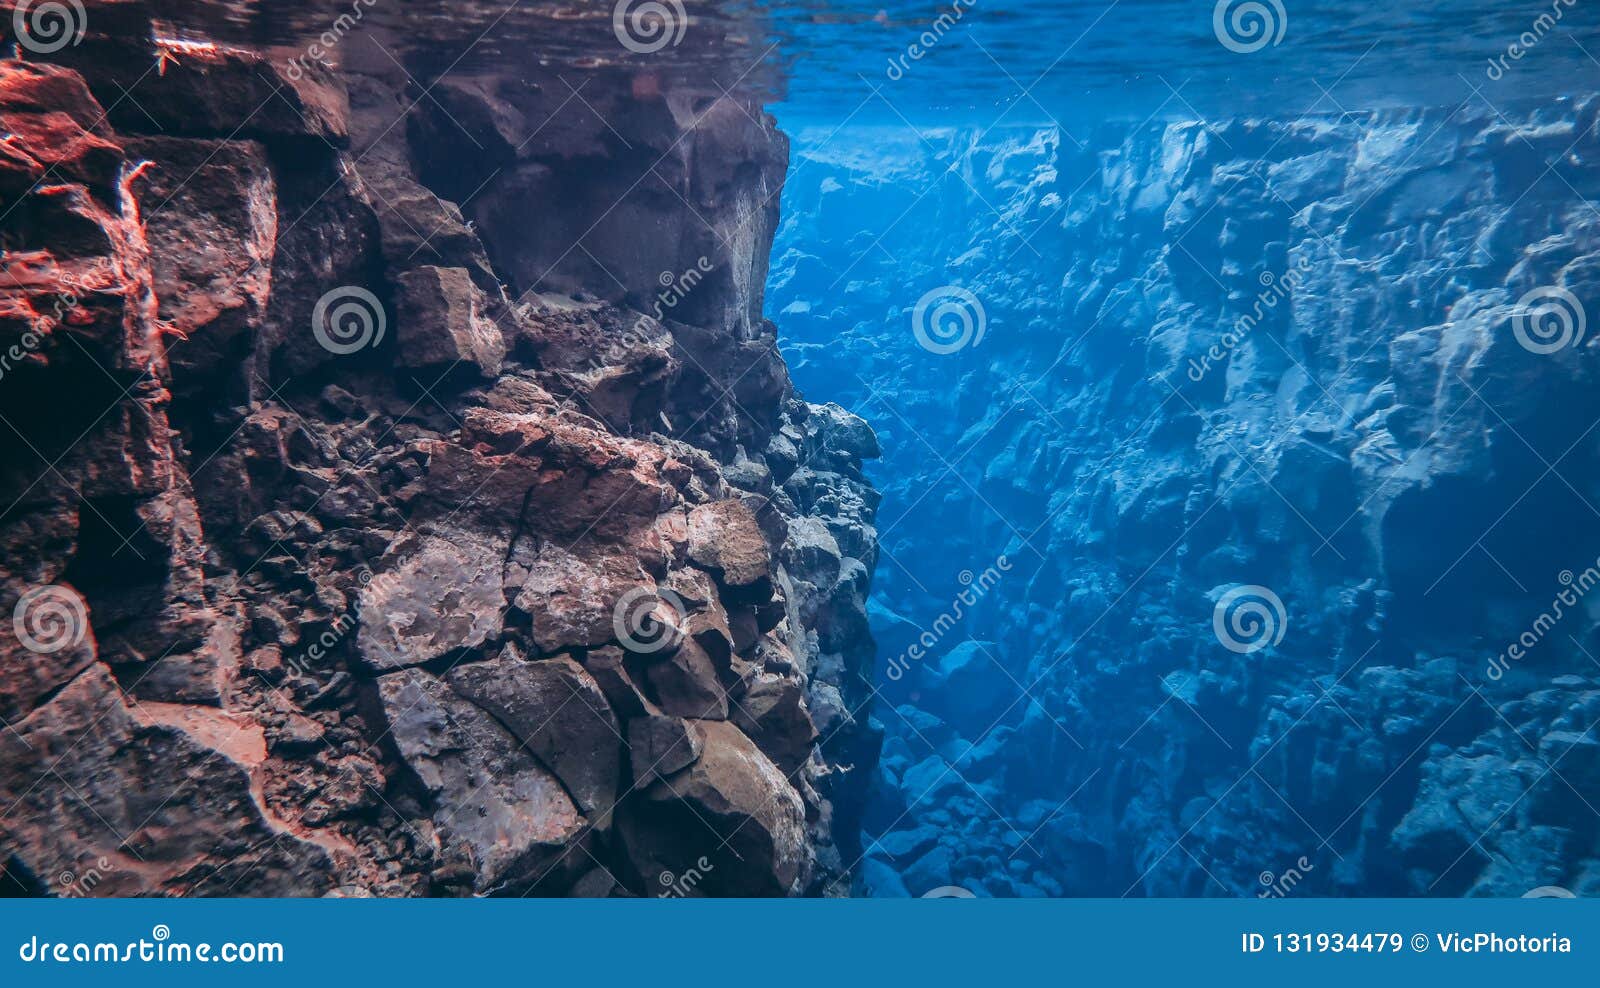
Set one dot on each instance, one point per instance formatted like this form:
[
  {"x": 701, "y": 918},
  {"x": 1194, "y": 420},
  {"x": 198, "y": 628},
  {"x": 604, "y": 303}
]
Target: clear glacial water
[
  {"x": 1078, "y": 62},
  {"x": 985, "y": 62},
  {"x": 1222, "y": 310}
]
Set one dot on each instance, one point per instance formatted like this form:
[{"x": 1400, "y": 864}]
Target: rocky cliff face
[
  {"x": 1284, "y": 430},
  {"x": 403, "y": 494}
]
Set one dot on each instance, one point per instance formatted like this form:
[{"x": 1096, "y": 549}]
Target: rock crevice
[{"x": 414, "y": 521}]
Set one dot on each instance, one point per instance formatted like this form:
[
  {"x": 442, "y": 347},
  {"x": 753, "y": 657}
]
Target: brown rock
[
  {"x": 618, "y": 363},
  {"x": 36, "y": 87},
  {"x": 147, "y": 796},
  {"x": 212, "y": 225},
  {"x": 687, "y": 683},
  {"x": 443, "y": 326},
  {"x": 725, "y": 539},
  {"x": 659, "y": 747},
  {"x": 621, "y": 689},
  {"x": 571, "y": 598},
  {"x": 417, "y": 227},
  {"x": 62, "y": 145},
  {"x": 496, "y": 807},
  {"x": 557, "y": 710},
  {"x": 441, "y": 595},
  {"x": 772, "y": 711},
  {"x": 731, "y": 811},
  {"x": 29, "y": 674}
]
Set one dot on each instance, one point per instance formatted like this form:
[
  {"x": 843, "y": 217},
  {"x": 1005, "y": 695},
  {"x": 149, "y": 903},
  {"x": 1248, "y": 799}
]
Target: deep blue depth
[{"x": 1240, "y": 478}]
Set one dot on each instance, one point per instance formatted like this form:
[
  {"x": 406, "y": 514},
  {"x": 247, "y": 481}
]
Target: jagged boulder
[
  {"x": 609, "y": 667},
  {"x": 443, "y": 325},
  {"x": 733, "y": 809},
  {"x": 213, "y": 242},
  {"x": 688, "y": 684},
  {"x": 772, "y": 711},
  {"x": 572, "y": 598},
  {"x": 557, "y": 710},
  {"x": 725, "y": 538},
  {"x": 497, "y": 809},
  {"x": 660, "y": 746},
  {"x": 439, "y": 596}
]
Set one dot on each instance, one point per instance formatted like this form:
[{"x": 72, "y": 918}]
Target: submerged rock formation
[
  {"x": 1339, "y": 373},
  {"x": 403, "y": 493}
]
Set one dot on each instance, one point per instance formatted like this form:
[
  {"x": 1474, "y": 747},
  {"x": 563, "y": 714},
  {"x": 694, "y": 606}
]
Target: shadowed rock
[
  {"x": 495, "y": 807},
  {"x": 557, "y": 710},
  {"x": 731, "y": 807},
  {"x": 687, "y": 683},
  {"x": 660, "y": 746},
  {"x": 296, "y": 558},
  {"x": 443, "y": 326}
]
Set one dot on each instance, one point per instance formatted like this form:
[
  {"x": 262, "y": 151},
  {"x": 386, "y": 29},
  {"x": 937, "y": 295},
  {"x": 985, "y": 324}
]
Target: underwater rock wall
[
  {"x": 1240, "y": 529},
  {"x": 404, "y": 494}
]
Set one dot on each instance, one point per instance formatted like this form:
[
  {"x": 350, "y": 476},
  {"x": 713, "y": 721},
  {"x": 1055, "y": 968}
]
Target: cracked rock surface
[{"x": 342, "y": 578}]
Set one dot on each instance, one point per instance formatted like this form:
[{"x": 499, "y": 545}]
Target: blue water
[
  {"x": 1232, "y": 506},
  {"x": 841, "y": 62},
  {"x": 1081, "y": 61}
]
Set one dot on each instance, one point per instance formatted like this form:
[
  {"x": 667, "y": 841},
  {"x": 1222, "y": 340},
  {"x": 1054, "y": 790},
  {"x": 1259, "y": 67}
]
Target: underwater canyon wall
[
  {"x": 403, "y": 493},
  {"x": 1239, "y": 529}
]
